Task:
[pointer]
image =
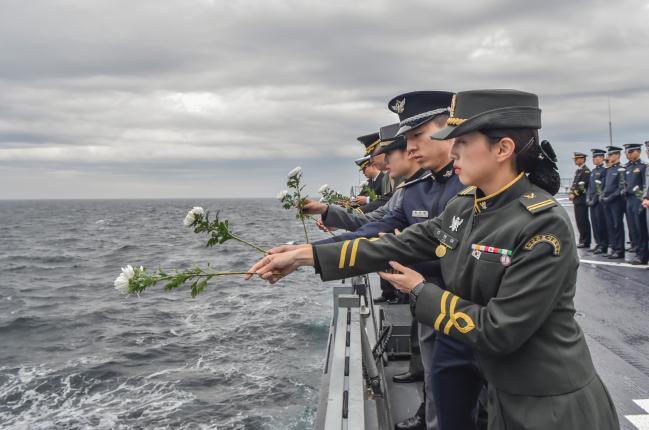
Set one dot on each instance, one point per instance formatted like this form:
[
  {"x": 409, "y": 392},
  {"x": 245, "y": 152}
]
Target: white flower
[
  {"x": 295, "y": 173},
  {"x": 190, "y": 218},
  {"x": 282, "y": 195},
  {"x": 364, "y": 184},
  {"x": 122, "y": 281},
  {"x": 323, "y": 189}
]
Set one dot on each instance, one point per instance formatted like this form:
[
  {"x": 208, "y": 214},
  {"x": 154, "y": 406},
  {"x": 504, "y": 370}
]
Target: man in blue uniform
[
  {"x": 593, "y": 195},
  {"x": 577, "y": 196},
  {"x": 635, "y": 213},
  {"x": 614, "y": 205},
  {"x": 645, "y": 198}
]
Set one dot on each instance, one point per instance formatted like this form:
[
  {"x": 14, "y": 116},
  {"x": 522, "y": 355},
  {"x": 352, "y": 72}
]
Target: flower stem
[{"x": 263, "y": 251}]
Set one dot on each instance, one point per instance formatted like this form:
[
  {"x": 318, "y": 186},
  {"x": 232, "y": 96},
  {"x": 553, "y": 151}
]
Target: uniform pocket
[{"x": 489, "y": 270}]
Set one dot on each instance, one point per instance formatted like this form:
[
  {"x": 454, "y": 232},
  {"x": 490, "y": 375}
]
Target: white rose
[
  {"x": 364, "y": 184},
  {"x": 323, "y": 189},
  {"x": 190, "y": 218},
  {"x": 282, "y": 195},
  {"x": 122, "y": 281},
  {"x": 295, "y": 172}
]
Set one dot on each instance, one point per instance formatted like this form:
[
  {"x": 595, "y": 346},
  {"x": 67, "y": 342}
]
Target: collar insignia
[
  {"x": 483, "y": 205},
  {"x": 399, "y": 105},
  {"x": 448, "y": 173},
  {"x": 456, "y": 223},
  {"x": 530, "y": 195}
]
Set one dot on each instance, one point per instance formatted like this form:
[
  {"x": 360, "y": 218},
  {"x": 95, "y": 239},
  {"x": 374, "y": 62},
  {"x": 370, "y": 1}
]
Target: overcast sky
[{"x": 199, "y": 98}]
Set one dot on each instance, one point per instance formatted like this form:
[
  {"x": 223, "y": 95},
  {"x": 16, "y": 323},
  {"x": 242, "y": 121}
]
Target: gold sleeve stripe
[
  {"x": 352, "y": 256},
  {"x": 540, "y": 204},
  {"x": 442, "y": 313},
  {"x": 451, "y": 312},
  {"x": 343, "y": 254}
]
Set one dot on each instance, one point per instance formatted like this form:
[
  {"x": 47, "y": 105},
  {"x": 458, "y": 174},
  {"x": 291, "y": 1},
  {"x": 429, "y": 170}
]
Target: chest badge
[{"x": 456, "y": 223}]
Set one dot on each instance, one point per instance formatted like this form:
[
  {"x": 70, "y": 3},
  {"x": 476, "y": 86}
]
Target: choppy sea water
[{"x": 74, "y": 353}]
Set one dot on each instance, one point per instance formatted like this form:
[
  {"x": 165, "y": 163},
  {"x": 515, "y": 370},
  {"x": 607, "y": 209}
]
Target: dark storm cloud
[{"x": 122, "y": 98}]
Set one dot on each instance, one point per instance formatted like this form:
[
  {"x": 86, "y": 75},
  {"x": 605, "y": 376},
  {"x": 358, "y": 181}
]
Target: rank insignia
[
  {"x": 399, "y": 105},
  {"x": 530, "y": 195},
  {"x": 544, "y": 238}
]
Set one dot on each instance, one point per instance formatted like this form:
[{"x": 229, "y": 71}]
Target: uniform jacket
[
  {"x": 510, "y": 264},
  {"x": 615, "y": 183},
  {"x": 635, "y": 177},
  {"x": 580, "y": 185},
  {"x": 594, "y": 189}
]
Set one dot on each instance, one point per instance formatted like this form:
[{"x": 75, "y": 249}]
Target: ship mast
[{"x": 610, "y": 124}]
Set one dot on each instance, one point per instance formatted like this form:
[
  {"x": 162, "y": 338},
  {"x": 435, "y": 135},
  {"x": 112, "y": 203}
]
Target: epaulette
[
  {"x": 535, "y": 202},
  {"x": 414, "y": 181},
  {"x": 468, "y": 191}
]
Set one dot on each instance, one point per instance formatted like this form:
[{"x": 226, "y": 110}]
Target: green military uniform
[
  {"x": 516, "y": 310},
  {"x": 509, "y": 263}
]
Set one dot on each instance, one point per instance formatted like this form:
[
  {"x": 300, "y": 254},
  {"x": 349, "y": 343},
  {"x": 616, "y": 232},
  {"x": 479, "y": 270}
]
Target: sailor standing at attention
[
  {"x": 645, "y": 197},
  {"x": 577, "y": 196},
  {"x": 509, "y": 263},
  {"x": 635, "y": 214},
  {"x": 613, "y": 200},
  {"x": 593, "y": 195}
]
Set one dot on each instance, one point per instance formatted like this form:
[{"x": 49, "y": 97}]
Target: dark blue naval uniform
[
  {"x": 452, "y": 375},
  {"x": 597, "y": 216},
  {"x": 635, "y": 213},
  {"x": 614, "y": 206}
]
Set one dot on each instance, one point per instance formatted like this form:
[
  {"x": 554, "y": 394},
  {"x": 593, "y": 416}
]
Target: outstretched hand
[
  {"x": 405, "y": 280},
  {"x": 313, "y": 207},
  {"x": 274, "y": 267}
]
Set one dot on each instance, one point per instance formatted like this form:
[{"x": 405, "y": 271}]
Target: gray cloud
[{"x": 116, "y": 98}]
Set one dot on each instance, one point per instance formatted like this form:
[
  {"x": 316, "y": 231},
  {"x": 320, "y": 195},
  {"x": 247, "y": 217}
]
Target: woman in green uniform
[{"x": 509, "y": 261}]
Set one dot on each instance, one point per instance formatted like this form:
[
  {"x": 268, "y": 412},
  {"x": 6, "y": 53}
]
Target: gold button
[{"x": 440, "y": 251}]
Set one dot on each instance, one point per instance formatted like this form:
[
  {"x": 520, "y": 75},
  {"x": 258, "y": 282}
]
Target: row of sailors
[{"x": 612, "y": 191}]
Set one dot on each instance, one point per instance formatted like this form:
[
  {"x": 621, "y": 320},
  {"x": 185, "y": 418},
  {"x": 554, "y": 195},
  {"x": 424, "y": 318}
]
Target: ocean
[{"x": 75, "y": 353}]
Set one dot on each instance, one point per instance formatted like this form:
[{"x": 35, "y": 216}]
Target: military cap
[
  {"x": 363, "y": 161},
  {"x": 578, "y": 155},
  {"x": 369, "y": 141},
  {"x": 597, "y": 152},
  {"x": 613, "y": 150},
  {"x": 632, "y": 146},
  {"x": 490, "y": 109},
  {"x": 419, "y": 107},
  {"x": 388, "y": 132}
]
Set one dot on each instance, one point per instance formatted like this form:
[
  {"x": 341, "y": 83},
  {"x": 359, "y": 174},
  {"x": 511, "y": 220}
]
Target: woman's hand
[
  {"x": 313, "y": 207},
  {"x": 273, "y": 267},
  {"x": 405, "y": 281},
  {"x": 286, "y": 248}
]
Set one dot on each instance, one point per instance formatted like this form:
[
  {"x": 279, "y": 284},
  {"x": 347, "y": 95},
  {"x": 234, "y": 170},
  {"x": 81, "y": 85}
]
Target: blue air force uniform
[
  {"x": 593, "y": 196},
  {"x": 614, "y": 205}
]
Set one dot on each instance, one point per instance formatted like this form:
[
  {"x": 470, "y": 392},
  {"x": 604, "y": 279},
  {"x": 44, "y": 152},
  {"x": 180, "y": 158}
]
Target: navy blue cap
[
  {"x": 419, "y": 107},
  {"x": 632, "y": 146},
  {"x": 597, "y": 152},
  {"x": 578, "y": 155},
  {"x": 613, "y": 149}
]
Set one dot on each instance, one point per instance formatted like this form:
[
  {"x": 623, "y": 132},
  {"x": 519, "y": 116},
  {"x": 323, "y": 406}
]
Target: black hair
[{"x": 535, "y": 158}]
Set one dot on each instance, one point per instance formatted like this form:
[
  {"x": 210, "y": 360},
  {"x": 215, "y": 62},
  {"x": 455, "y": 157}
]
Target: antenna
[{"x": 610, "y": 124}]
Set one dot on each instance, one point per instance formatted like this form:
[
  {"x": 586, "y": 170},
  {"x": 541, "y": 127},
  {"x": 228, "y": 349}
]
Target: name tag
[{"x": 420, "y": 214}]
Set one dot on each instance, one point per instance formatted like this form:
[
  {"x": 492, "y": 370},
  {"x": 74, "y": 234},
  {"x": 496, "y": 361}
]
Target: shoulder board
[
  {"x": 414, "y": 181},
  {"x": 537, "y": 202},
  {"x": 468, "y": 191}
]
